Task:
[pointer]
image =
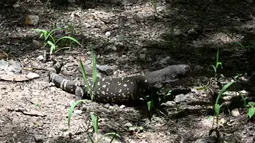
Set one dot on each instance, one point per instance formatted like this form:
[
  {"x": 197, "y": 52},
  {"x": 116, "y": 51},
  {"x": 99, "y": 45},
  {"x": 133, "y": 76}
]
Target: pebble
[
  {"x": 32, "y": 75},
  {"x": 180, "y": 98},
  {"x": 235, "y": 112},
  {"x": 128, "y": 124},
  {"x": 108, "y": 33},
  {"x": 40, "y": 58},
  {"x": 111, "y": 48},
  {"x": 77, "y": 112},
  {"x": 122, "y": 106},
  {"x": 32, "y": 20}
]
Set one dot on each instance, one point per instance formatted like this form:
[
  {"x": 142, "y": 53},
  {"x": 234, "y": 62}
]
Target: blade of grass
[
  {"x": 52, "y": 46},
  {"x": 94, "y": 121},
  {"x": 53, "y": 30},
  {"x": 70, "y": 38},
  {"x": 225, "y": 87},
  {"x": 85, "y": 78},
  {"x": 71, "y": 109},
  {"x": 43, "y": 33}
]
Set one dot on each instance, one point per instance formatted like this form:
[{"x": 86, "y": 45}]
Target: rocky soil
[{"x": 128, "y": 37}]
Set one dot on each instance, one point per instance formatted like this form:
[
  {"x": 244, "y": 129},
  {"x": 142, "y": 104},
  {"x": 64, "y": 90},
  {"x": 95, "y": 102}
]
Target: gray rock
[
  {"x": 128, "y": 124},
  {"x": 192, "y": 31},
  {"x": 32, "y": 75},
  {"x": 107, "y": 34},
  {"x": 180, "y": 98},
  {"x": 14, "y": 67},
  {"x": 177, "y": 32},
  {"x": 3, "y": 65},
  {"x": 111, "y": 48},
  {"x": 235, "y": 112},
  {"x": 168, "y": 104},
  {"x": 40, "y": 58}
]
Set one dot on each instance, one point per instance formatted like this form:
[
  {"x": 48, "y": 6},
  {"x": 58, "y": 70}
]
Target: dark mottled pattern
[{"x": 122, "y": 89}]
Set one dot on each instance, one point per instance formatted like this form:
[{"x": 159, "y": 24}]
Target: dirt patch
[{"x": 133, "y": 38}]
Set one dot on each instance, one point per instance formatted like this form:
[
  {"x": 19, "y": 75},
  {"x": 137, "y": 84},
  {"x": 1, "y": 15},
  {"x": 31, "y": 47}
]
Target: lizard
[{"x": 120, "y": 89}]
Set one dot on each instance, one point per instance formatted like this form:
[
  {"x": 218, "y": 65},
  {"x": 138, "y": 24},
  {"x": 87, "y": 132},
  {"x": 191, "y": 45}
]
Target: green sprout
[{"x": 53, "y": 41}]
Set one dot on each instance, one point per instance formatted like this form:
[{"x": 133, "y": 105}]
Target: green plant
[
  {"x": 217, "y": 64},
  {"x": 156, "y": 99},
  {"x": 250, "y": 46},
  {"x": 90, "y": 87},
  {"x": 95, "y": 128},
  {"x": 217, "y": 106},
  {"x": 251, "y": 110},
  {"x": 53, "y": 40}
]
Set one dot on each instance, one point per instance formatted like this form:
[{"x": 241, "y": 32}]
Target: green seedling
[
  {"x": 248, "y": 47},
  {"x": 217, "y": 106},
  {"x": 155, "y": 99},
  {"x": 90, "y": 88},
  {"x": 217, "y": 64},
  {"x": 95, "y": 128},
  {"x": 251, "y": 110},
  {"x": 53, "y": 41}
]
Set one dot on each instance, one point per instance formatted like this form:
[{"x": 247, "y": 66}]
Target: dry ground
[{"x": 133, "y": 38}]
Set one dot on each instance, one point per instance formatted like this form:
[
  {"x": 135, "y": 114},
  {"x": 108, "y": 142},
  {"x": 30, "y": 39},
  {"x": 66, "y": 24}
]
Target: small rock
[
  {"x": 177, "y": 32},
  {"x": 31, "y": 20},
  {"x": 3, "y": 65},
  {"x": 168, "y": 104},
  {"x": 243, "y": 92},
  {"x": 32, "y": 75},
  {"x": 14, "y": 67},
  {"x": 77, "y": 112},
  {"x": 128, "y": 124},
  {"x": 180, "y": 98},
  {"x": 111, "y": 48},
  {"x": 192, "y": 31},
  {"x": 40, "y": 58},
  {"x": 122, "y": 106},
  {"x": 106, "y": 105},
  {"x": 36, "y": 93},
  {"x": 235, "y": 112},
  {"x": 108, "y": 33}
]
